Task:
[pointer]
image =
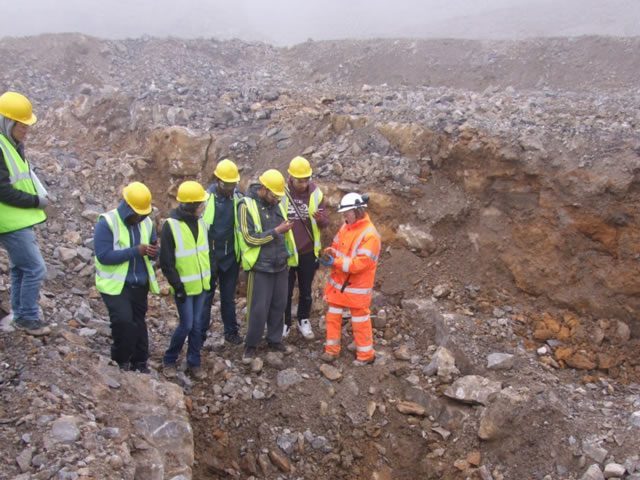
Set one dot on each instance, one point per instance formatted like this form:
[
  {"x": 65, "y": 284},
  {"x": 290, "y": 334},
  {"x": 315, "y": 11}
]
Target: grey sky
[{"x": 285, "y": 22}]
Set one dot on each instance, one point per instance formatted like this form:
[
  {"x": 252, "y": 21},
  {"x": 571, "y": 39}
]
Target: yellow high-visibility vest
[
  {"x": 110, "y": 278},
  {"x": 250, "y": 253},
  {"x": 16, "y": 218},
  {"x": 192, "y": 256}
]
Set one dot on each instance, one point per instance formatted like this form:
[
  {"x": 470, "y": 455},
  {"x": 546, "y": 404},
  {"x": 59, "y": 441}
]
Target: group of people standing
[{"x": 273, "y": 232}]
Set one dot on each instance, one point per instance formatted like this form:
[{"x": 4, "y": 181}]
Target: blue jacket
[{"x": 103, "y": 245}]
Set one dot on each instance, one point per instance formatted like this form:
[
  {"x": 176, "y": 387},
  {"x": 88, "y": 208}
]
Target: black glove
[{"x": 181, "y": 296}]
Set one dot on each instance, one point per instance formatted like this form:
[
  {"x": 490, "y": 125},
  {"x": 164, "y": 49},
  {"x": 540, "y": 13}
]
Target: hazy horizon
[{"x": 285, "y": 22}]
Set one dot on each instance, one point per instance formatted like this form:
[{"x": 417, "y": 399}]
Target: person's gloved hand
[
  {"x": 42, "y": 202},
  {"x": 181, "y": 296},
  {"x": 326, "y": 260}
]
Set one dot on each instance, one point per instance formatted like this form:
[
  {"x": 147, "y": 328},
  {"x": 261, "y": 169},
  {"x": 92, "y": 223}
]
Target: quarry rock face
[{"x": 506, "y": 200}]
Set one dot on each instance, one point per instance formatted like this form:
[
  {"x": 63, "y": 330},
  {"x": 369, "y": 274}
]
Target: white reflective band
[
  {"x": 336, "y": 310},
  {"x": 180, "y": 251},
  {"x": 192, "y": 251},
  {"x": 345, "y": 265},
  {"x": 340, "y": 254},
  {"x": 178, "y": 234},
  {"x": 358, "y": 291},
  {"x": 368, "y": 253},
  {"x": 111, "y": 276},
  {"x": 357, "y": 244},
  {"x": 193, "y": 278},
  {"x": 115, "y": 229},
  {"x": 364, "y": 349},
  {"x": 152, "y": 275},
  {"x": 14, "y": 168},
  {"x": 360, "y": 319},
  {"x": 332, "y": 342},
  {"x": 20, "y": 176}
]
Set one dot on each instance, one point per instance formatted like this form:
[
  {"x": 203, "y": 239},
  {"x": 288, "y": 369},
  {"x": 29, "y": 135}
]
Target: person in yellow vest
[
  {"x": 220, "y": 216},
  {"x": 267, "y": 248},
  {"x": 125, "y": 243},
  {"x": 21, "y": 207},
  {"x": 304, "y": 204},
  {"x": 184, "y": 259}
]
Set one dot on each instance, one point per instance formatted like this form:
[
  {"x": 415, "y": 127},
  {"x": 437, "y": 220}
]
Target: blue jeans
[
  {"x": 27, "y": 272},
  {"x": 190, "y": 313}
]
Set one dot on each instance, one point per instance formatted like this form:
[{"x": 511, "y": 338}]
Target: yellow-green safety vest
[
  {"x": 192, "y": 256},
  {"x": 16, "y": 218},
  {"x": 249, "y": 253},
  {"x": 314, "y": 201},
  {"x": 110, "y": 278},
  {"x": 210, "y": 213}
]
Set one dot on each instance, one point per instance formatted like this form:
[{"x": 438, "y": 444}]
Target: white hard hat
[{"x": 352, "y": 200}]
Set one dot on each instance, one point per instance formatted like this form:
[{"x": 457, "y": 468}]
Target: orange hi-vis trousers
[{"x": 362, "y": 331}]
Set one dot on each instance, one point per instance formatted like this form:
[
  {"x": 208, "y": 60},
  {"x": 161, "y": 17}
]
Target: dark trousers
[
  {"x": 266, "y": 300},
  {"x": 128, "y": 326},
  {"x": 227, "y": 280},
  {"x": 305, "y": 271}
]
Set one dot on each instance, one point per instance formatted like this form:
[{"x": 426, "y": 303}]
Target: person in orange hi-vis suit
[{"x": 353, "y": 258}]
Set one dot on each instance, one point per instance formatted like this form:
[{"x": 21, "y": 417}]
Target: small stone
[{"x": 614, "y": 470}]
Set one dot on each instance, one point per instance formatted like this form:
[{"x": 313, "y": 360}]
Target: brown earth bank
[{"x": 502, "y": 178}]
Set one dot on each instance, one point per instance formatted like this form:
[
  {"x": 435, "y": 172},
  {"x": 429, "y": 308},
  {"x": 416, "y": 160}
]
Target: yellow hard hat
[
  {"x": 138, "y": 197},
  {"x": 17, "y": 107},
  {"x": 299, "y": 168},
  {"x": 191, "y": 192},
  {"x": 274, "y": 181},
  {"x": 227, "y": 171}
]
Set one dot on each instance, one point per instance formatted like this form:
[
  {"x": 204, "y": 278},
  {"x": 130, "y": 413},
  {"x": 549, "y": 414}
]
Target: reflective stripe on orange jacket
[{"x": 356, "y": 249}]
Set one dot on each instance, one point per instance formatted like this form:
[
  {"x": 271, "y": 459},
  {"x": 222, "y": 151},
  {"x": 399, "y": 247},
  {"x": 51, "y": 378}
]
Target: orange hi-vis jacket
[{"x": 356, "y": 248}]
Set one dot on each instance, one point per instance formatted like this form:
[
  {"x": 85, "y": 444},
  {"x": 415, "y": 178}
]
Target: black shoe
[
  {"x": 33, "y": 327},
  {"x": 125, "y": 366},
  {"x": 233, "y": 339},
  {"x": 249, "y": 354},
  {"x": 140, "y": 367}
]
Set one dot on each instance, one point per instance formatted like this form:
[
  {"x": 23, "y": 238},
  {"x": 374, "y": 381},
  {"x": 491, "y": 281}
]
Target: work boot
[
  {"x": 279, "y": 347},
  {"x": 352, "y": 346},
  {"x": 124, "y": 366},
  {"x": 286, "y": 329},
  {"x": 32, "y": 327},
  {"x": 169, "y": 370},
  {"x": 305, "y": 329},
  {"x": 249, "y": 354},
  {"x": 233, "y": 338},
  {"x": 197, "y": 372},
  {"x": 140, "y": 367},
  {"x": 327, "y": 357},
  {"x": 362, "y": 363}
]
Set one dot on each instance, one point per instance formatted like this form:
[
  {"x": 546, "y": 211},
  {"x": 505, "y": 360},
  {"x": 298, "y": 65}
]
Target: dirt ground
[{"x": 498, "y": 274}]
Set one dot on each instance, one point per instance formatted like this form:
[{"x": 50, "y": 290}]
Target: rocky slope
[{"x": 503, "y": 181}]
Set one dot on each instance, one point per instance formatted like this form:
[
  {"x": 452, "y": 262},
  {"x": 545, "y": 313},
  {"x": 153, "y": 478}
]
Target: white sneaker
[
  {"x": 285, "y": 330},
  {"x": 305, "y": 329}
]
